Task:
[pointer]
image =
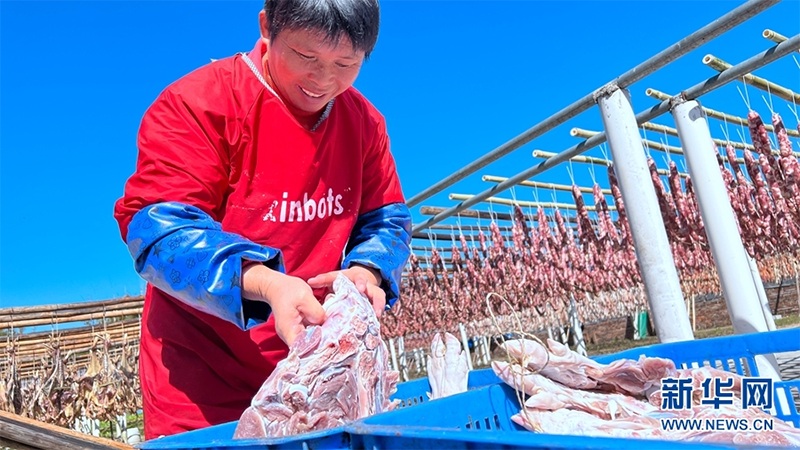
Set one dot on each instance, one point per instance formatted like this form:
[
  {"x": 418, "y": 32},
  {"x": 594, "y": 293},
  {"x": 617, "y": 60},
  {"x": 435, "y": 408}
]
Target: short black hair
[{"x": 359, "y": 20}]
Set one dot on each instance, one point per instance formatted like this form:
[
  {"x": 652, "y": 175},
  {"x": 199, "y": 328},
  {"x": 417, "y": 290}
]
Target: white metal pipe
[
  {"x": 762, "y": 294},
  {"x": 401, "y": 350},
  {"x": 394, "y": 355},
  {"x": 736, "y": 279},
  {"x": 477, "y": 345},
  {"x": 486, "y": 350},
  {"x": 562, "y": 333},
  {"x": 465, "y": 343},
  {"x": 730, "y": 257},
  {"x": 653, "y": 253},
  {"x": 580, "y": 344}
]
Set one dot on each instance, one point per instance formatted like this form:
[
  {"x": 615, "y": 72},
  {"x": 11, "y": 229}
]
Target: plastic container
[
  {"x": 220, "y": 437},
  {"x": 415, "y": 392},
  {"x": 734, "y": 354},
  {"x": 480, "y": 418}
]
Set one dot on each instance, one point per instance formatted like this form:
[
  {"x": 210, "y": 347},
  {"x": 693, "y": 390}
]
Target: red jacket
[{"x": 218, "y": 140}]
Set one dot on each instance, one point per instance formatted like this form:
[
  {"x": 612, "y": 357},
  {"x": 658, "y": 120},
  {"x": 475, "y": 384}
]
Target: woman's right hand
[{"x": 291, "y": 299}]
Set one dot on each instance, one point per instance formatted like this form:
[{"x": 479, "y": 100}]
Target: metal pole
[
  {"x": 487, "y": 353},
  {"x": 762, "y": 294},
  {"x": 580, "y": 344},
  {"x": 401, "y": 349},
  {"x": 666, "y": 56},
  {"x": 394, "y": 355},
  {"x": 749, "y": 65},
  {"x": 653, "y": 253},
  {"x": 465, "y": 343},
  {"x": 730, "y": 257},
  {"x": 735, "y": 276}
]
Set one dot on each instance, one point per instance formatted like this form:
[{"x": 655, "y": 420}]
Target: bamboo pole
[
  {"x": 32, "y": 370},
  {"x": 545, "y": 205},
  {"x": 473, "y": 214},
  {"x": 468, "y": 213},
  {"x": 650, "y": 92},
  {"x": 539, "y": 184},
  {"x": 79, "y": 346},
  {"x": 432, "y": 236},
  {"x": 67, "y": 331},
  {"x": 69, "y": 339},
  {"x": 658, "y": 128},
  {"x": 753, "y": 80},
  {"x": 114, "y": 337},
  {"x": 60, "y": 320},
  {"x": 76, "y": 357},
  {"x": 585, "y": 134},
  {"x": 592, "y": 160},
  {"x": 427, "y": 249},
  {"x": 77, "y": 353},
  {"x": 28, "y": 365},
  {"x": 775, "y": 37},
  {"x": 38, "y": 354},
  {"x": 580, "y": 158},
  {"x": 16, "y": 318},
  {"x": 439, "y": 226},
  {"x": 66, "y": 306}
]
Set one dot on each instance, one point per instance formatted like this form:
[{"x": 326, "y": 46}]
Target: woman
[{"x": 259, "y": 177}]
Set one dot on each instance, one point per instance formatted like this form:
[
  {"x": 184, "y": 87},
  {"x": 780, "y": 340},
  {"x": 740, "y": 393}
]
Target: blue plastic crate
[
  {"x": 415, "y": 392},
  {"x": 220, "y": 437},
  {"x": 480, "y": 418},
  {"x": 734, "y": 354}
]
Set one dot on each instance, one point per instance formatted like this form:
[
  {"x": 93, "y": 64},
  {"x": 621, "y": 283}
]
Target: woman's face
[{"x": 306, "y": 70}]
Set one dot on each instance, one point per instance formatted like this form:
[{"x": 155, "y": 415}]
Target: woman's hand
[
  {"x": 291, "y": 299},
  {"x": 367, "y": 281}
]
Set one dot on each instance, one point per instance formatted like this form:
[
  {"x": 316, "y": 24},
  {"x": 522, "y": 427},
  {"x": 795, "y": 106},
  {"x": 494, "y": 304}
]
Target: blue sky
[{"x": 454, "y": 80}]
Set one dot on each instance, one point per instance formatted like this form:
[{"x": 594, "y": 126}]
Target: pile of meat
[
  {"x": 574, "y": 395},
  {"x": 335, "y": 373}
]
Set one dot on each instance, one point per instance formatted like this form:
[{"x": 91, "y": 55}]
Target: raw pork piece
[
  {"x": 568, "y": 368},
  {"x": 699, "y": 375},
  {"x": 335, "y": 373},
  {"x": 557, "y": 409},
  {"x": 546, "y": 394},
  {"x": 447, "y": 367},
  {"x": 579, "y": 423},
  {"x": 571, "y": 369}
]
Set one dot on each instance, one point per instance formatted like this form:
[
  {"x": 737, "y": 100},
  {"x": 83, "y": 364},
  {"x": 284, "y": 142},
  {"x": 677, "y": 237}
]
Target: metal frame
[
  {"x": 702, "y": 88},
  {"x": 666, "y": 56}
]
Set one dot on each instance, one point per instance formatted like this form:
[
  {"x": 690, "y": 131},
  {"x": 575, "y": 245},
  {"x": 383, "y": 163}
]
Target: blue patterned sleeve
[
  {"x": 380, "y": 240},
  {"x": 181, "y": 250}
]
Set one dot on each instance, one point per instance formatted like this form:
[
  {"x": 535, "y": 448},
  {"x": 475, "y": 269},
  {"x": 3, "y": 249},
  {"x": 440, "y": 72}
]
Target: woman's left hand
[{"x": 367, "y": 281}]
